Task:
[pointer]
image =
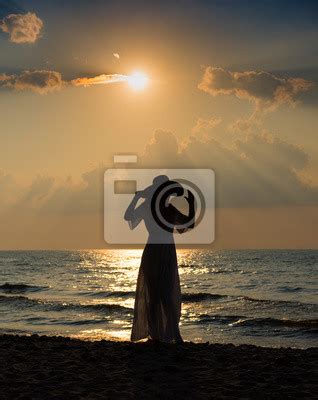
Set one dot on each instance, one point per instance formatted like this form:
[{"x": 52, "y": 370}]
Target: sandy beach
[{"x": 41, "y": 367}]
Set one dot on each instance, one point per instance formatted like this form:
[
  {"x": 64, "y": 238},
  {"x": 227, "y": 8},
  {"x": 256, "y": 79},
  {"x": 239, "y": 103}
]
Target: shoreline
[
  {"x": 54, "y": 367},
  {"x": 104, "y": 337}
]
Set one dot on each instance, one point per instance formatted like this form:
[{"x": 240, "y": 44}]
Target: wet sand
[{"x": 41, "y": 367}]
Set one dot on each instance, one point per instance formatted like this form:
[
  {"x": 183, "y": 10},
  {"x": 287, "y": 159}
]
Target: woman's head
[
  {"x": 163, "y": 182},
  {"x": 157, "y": 181}
]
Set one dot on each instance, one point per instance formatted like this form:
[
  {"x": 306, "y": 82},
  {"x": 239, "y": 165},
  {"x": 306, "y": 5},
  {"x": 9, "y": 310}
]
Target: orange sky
[{"x": 232, "y": 91}]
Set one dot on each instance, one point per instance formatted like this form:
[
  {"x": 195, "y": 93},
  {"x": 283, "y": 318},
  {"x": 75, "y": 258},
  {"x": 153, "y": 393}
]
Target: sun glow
[{"x": 138, "y": 80}]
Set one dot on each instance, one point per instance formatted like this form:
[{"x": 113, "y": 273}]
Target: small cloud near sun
[{"x": 116, "y": 55}]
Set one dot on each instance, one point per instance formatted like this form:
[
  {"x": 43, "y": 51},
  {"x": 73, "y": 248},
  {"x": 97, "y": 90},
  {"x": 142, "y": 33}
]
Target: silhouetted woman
[{"x": 158, "y": 295}]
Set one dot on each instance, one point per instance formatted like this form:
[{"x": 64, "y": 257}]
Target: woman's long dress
[
  {"x": 158, "y": 296},
  {"x": 157, "y": 307}
]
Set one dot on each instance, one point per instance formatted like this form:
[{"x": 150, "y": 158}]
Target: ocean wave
[
  {"x": 80, "y": 322},
  {"x": 43, "y": 321},
  {"x": 186, "y": 297},
  {"x": 102, "y": 294},
  {"x": 212, "y": 268},
  {"x": 193, "y": 297},
  {"x": 283, "y": 303},
  {"x": 23, "y": 301},
  {"x": 219, "y": 319},
  {"x": 10, "y": 331},
  {"x": 104, "y": 307},
  {"x": 68, "y": 322},
  {"x": 17, "y": 299},
  {"x": 276, "y": 322},
  {"x": 20, "y": 288},
  {"x": 197, "y": 297},
  {"x": 289, "y": 289},
  {"x": 241, "y": 320}
]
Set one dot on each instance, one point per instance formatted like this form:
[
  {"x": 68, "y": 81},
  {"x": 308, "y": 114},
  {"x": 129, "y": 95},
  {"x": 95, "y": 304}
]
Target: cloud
[
  {"x": 164, "y": 143},
  {"x": 9, "y": 189},
  {"x": 40, "y": 81},
  {"x": 246, "y": 124},
  {"x": 78, "y": 198},
  {"x": 257, "y": 171},
  {"x": 261, "y": 199},
  {"x": 116, "y": 55},
  {"x": 37, "y": 193},
  {"x": 205, "y": 125},
  {"x": 47, "y": 195},
  {"x": 99, "y": 80},
  {"x": 22, "y": 28},
  {"x": 266, "y": 90}
]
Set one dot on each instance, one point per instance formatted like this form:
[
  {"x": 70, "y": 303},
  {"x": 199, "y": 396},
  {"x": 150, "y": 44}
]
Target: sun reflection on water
[
  {"x": 90, "y": 293},
  {"x": 102, "y": 334}
]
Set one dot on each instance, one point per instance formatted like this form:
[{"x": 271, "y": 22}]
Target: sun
[{"x": 138, "y": 80}]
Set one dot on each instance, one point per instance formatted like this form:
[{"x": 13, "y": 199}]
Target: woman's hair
[
  {"x": 157, "y": 181},
  {"x": 160, "y": 179}
]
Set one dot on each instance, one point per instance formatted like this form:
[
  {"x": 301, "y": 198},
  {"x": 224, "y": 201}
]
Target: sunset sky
[{"x": 231, "y": 85}]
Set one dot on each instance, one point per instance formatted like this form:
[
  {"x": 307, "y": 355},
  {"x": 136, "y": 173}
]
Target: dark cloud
[
  {"x": 22, "y": 28},
  {"x": 38, "y": 81},
  {"x": 264, "y": 89}
]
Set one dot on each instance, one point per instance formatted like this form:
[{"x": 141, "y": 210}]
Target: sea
[{"x": 260, "y": 297}]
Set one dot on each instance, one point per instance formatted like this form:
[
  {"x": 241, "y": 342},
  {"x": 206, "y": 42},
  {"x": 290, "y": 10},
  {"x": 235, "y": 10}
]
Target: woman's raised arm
[{"x": 134, "y": 215}]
